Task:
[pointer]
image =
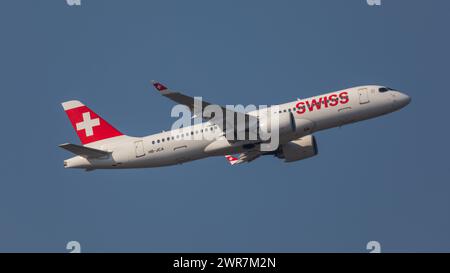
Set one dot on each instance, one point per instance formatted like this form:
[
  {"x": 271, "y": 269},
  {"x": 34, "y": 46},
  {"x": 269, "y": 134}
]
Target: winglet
[
  {"x": 159, "y": 86},
  {"x": 231, "y": 159}
]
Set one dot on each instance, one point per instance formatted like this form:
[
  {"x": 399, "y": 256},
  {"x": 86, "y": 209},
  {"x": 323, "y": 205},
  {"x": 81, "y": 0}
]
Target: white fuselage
[{"x": 206, "y": 139}]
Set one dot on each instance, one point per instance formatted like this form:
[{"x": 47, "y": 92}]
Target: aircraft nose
[
  {"x": 401, "y": 99},
  {"x": 404, "y": 99}
]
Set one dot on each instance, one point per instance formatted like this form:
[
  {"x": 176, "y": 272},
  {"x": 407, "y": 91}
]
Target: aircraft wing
[
  {"x": 83, "y": 151},
  {"x": 191, "y": 102}
]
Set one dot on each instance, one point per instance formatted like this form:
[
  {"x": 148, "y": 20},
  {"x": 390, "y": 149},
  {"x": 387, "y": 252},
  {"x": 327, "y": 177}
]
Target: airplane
[{"x": 105, "y": 147}]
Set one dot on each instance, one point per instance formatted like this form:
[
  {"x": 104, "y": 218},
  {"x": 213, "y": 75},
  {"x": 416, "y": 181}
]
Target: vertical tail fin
[{"x": 89, "y": 126}]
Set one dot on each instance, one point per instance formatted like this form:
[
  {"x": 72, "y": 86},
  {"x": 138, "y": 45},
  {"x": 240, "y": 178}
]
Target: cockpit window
[{"x": 385, "y": 89}]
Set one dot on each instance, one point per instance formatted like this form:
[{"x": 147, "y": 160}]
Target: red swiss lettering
[
  {"x": 344, "y": 97},
  {"x": 301, "y": 107},
  {"x": 333, "y": 99}
]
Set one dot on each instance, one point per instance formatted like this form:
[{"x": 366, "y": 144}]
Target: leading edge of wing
[{"x": 190, "y": 102}]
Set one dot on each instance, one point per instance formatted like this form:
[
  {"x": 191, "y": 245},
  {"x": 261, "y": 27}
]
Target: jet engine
[{"x": 298, "y": 149}]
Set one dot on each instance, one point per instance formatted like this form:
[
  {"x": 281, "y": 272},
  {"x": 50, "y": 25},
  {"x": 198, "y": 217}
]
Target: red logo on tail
[{"x": 89, "y": 126}]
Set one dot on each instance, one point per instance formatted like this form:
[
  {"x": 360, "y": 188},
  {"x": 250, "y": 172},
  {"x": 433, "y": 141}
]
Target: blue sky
[{"x": 385, "y": 179}]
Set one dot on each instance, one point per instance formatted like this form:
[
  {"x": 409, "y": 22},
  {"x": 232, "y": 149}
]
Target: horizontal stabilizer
[{"x": 83, "y": 151}]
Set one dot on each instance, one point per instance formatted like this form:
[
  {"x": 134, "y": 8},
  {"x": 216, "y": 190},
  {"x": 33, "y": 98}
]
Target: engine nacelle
[
  {"x": 298, "y": 149},
  {"x": 287, "y": 125},
  {"x": 284, "y": 124}
]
